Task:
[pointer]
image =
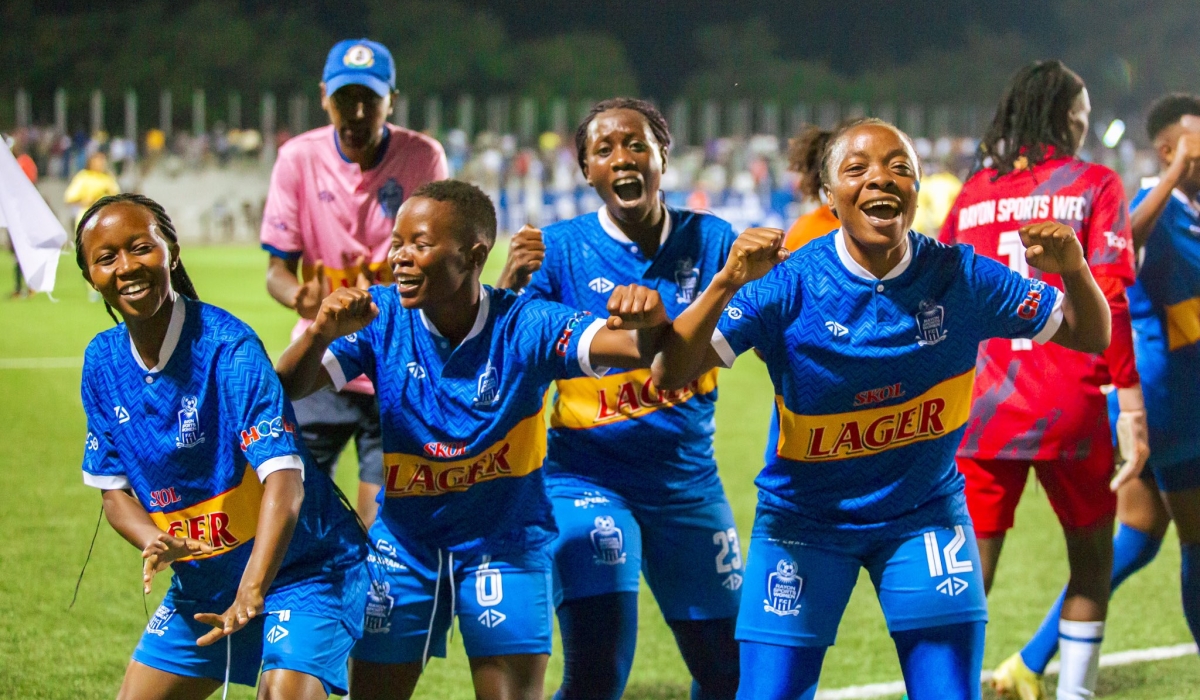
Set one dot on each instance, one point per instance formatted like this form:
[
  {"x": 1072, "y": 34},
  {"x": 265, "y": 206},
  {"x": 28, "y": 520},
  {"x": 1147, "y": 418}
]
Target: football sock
[
  {"x": 1189, "y": 570},
  {"x": 1079, "y": 646},
  {"x": 1132, "y": 550},
  {"x": 599, "y": 636},
  {"x": 711, "y": 655},
  {"x": 942, "y": 663},
  {"x": 773, "y": 672}
]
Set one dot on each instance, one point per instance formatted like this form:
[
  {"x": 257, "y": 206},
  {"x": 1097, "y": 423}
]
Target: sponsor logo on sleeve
[{"x": 273, "y": 428}]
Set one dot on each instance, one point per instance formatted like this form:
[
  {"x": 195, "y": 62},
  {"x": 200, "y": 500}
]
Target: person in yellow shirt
[
  {"x": 805, "y": 152},
  {"x": 90, "y": 184},
  {"x": 939, "y": 189}
]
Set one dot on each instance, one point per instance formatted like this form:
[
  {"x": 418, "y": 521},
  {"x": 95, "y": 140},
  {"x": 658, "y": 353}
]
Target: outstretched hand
[
  {"x": 159, "y": 554},
  {"x": 347, "y": 310},
  {"x": 1052, "y": 247},
  {"x": 753, "y": 254},
  {"x": 633, "y": 307},
  {"x": 246, "y": 606}
]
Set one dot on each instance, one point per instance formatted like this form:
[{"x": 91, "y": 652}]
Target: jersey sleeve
[
  {"x": 949, "y": 232},
  {"x": 439, "y": 166},
  {"x": 1009, "y": 305},
  {"x": 353, "y": 355},
  {"x": 252, "y": 398},
  {"x": 754, "y": 317},
  {"x": 280, "y": 232},
  {"x": 558, "y": 339},
  {"x": 1107, "y": 234},
  {"x": 101, "y": 464}
]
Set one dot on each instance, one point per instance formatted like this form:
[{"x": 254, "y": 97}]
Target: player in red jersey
[{"x": 1042, "y": 406}]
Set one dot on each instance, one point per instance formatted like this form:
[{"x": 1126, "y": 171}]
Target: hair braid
[
  {"x": 1033, "y": 117},
  {"x": 180, "y": 281}
]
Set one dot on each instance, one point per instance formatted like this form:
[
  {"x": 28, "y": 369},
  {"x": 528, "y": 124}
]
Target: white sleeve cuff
[
  {"x": 119, "y": 482},
  {"x": 584, "y": 354},
  {"x": 1052, "y": 323},
  {"x": 278, "y": 464},
  {"x": 721, "y": 345},
  {"x": 334, "y": 369}
]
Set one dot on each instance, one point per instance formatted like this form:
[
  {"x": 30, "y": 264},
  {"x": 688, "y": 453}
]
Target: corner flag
[{"x": 36, "y": 234}]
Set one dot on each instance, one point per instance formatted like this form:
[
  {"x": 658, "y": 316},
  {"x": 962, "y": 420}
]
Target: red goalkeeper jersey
[{"x": 1044, "y": 401}]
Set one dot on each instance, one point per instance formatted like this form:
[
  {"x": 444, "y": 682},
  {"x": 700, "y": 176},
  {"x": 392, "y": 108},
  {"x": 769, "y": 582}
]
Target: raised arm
[
  {"x": 687, "y": 350},
  {"x": 345, "y": 311},
  {"x": 1053, "y": 247},
  {"x": 526, "y": 252},
  {"x": 633, "y": 334},
  {"x": 1186, "y": 158}
]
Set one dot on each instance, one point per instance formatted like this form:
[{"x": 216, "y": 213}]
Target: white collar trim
[
  {"x": 614, "y": 232},
  {"x": 859, "y": 271},
  {"x": 174, "y": 329},
  {"x": 1183, "y": 198},
  {"x": 480, "y": 318}
]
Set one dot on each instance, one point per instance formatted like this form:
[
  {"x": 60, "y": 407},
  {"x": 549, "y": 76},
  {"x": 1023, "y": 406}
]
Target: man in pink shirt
[{"x": 329, "y": 215}]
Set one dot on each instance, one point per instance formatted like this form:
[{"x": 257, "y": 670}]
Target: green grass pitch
[{"x": 47, "y": 516}]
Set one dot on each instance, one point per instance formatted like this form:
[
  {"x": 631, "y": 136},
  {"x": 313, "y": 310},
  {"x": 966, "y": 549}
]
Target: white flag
[{"x": 36, "y": 233}]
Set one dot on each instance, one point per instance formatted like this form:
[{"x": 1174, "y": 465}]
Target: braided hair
[
  {"x": 1033, "y": 117},
  {"x": 180, "y": 281},
  {"x": 805, "y": 152},
  {"x": 658, "y": 125}
]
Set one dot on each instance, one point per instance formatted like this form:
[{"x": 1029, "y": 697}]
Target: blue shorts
[
  {"x": 690, "y": 553},
  {"x": 796, "y": 594},
  {"x": 503, "y": 603},
  {"x": 1183, "y": 476},
  {"x": 307, "y": 642}
]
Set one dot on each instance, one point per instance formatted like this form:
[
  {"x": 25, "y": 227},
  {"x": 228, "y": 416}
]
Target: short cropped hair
[
  {"x": 839, "y": 134},
  {"x": 473, "y": 206},
  {"x": 1169, "y": 110},
  {"x": 658, "y": 125}
]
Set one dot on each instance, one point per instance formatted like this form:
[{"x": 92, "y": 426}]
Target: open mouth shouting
[
  {"x": 408, "y": 285},
  {"x": 628, "y": 188},
  {"x": 882, "y": 211}
]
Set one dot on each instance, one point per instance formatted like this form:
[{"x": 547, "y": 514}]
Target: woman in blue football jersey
[
  {"x": 192, "y": 442},
  {"x": 631, "y": 472},
  {"x": 870, "y": 336},
  {"x": 461, "y": 371}
]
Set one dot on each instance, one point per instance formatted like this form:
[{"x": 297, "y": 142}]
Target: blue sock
[
  {"x": 942, "y": 663},
  {"x": 711, "y": 654},
  {"x": 1189, "y": 574},
  {"x": 772, "y": 672},
  {"x": 1132, "y": 550},
  {"x": 599, "y": 637}
]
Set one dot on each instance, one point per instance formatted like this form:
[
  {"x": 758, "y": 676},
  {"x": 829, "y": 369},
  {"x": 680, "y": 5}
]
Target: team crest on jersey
[
  {"x": 391, "y": 195},
  {"x": 601, "y": 285},
  {"x": 608, "y": 541},
  {"x": 378, "y": 618},
  {"x": 359, "y": 56},
  {"x": 931, "y": 319},
  {"x": 158, "y": 624},
  {"x": 189, "y": 424},
  {"x": 783, "y": 590},
  {"x": 687, "y": 279},
  {"x": 487, "y": 390}
]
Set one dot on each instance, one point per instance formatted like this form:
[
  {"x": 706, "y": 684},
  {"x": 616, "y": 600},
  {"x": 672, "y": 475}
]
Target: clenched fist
[
  {"x": 753, "y": 255},
  {"x": 525, "y": 255},
  {"x": 1052, "y": 247},
  {"x": 347, "y": 310},
  {"x": 634, "y": 307}
]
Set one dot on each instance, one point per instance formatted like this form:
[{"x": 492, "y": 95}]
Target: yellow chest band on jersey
[
  {"x": 586, "y": 402},
  {"x": 518, "y": 453},
  {"x": 225, "y": 521},
  {"x": 941, "y": 410}
]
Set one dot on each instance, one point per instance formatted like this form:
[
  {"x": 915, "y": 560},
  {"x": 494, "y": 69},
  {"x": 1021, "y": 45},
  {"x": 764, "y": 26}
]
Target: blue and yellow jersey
[
  {"x": 873, "y": 381},
  {"x": 464, "y": 432},
  {"x": 619, "y": 431},
  {"x": 195, "y": 437},
  {"x": 1165, "y": 306}
]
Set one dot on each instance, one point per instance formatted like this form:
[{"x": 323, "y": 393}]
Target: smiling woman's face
[
  {"x": 127, "y": 260},
  {"x": 872, "y": 184}
]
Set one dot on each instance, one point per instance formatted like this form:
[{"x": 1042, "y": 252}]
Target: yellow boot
[{"x": 1013, "y": 679}]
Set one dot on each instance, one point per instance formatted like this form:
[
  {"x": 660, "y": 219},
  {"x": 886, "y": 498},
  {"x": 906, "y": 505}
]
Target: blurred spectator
[
  {"x": 805, "y": 153},
  {"x": 90, "y": 184}
]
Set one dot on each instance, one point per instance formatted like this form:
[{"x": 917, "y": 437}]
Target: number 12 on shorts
[
  {"x": 727, "y": 540},
  {"x": 935, "y": 554}
]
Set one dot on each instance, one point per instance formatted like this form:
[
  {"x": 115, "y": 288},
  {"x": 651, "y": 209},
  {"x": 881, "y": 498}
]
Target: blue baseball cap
[{"x": 360, "y": 62}]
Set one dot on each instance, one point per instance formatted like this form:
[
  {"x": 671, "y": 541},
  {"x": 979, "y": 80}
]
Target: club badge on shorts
[
  {"x": 608, "y": 541},
  {"x": 378, "y": 618},
  {"x": 783, "y": 590}
]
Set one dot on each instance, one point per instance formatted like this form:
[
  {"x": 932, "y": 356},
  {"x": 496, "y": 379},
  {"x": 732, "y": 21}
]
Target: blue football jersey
[
  {"x": 464, "y": 432},
  {"x": 873, "y": 381},
  {"x": 619, "y": 431},
  {"x": 1165, "y": 306},
  {"x": 194, "y": 438}
]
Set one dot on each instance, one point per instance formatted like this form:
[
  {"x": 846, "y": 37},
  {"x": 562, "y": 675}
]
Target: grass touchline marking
[
  {"x": 1118, "y": 658},
  {"x": 40, "y": 362}
]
